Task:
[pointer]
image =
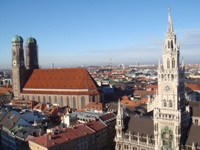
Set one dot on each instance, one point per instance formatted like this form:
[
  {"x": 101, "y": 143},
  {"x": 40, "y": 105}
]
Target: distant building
[
  {"x": 69, "y": 86},
  {"x": 89, "y": 136}
]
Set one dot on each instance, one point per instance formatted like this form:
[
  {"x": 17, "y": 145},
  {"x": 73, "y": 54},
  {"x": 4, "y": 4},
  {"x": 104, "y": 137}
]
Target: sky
[{"x": 74, "y": 33}]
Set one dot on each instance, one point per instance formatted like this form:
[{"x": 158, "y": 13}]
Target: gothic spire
[
  {"x": 170, "y": 26},
  {"x": 119, "y": 108}
]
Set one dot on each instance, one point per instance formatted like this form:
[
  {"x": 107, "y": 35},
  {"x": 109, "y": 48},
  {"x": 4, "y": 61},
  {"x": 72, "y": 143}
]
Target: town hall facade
[{"x": 165, "y": 125}]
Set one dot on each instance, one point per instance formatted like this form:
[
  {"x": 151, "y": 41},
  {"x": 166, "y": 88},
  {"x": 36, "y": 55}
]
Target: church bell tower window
[
  {"x": 168, "y": 63},
  {"x": 173, "y": 63}
]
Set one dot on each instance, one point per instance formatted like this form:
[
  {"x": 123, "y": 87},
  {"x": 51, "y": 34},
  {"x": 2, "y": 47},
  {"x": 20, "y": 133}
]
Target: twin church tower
[{"x": 22, "y": 66}]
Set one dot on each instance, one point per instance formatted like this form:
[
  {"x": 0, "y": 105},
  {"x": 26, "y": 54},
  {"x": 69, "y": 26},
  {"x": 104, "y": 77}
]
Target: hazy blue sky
[{"x": 90, "y": 32}]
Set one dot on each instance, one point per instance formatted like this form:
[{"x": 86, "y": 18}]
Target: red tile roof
[
  {"x": 49, "y": 140},
  {"x": 40, "y": 107},
  {"x": 68, "y": 78},
  {"x": 194, "y": 87},
  {"x": 152, "y": 87},
  {"x": 144, "y": 93},
  {"x": 96, "y": 125},
  {"x": 4, "y": 90},
  {"x": 129, "y": 103},
  {"x": 71, "y": 133},
  {"x": 94, "y": 106}
]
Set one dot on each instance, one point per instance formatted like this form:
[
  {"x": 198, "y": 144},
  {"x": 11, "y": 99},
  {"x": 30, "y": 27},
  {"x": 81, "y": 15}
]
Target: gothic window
[
  {"x": 126, "y": 146},
  {"x": 14, "y": 53},
  {"x": 61, "y": 101},
  {"x": 173, "y": 63},
  {"x": 196, "y": 121},
  {"x": 44, "y": 99},
  {"x": 168, "y": 44},
  {"x": 162, "y": 77},
  {"x": 165, "y": 77},
  {"x": 170, "y": 103},
  {"x": 74, "y": 102},
  {"x": 27, "y": 97},
  {"x": 82, "y": 101},
  {"x": 172, "y": 77},
  {"x": 55, "y": 100},
  {"x": 50, "y": 99},
  {"x": 119, "y": 147},
  {"x": 134, "y": 148},
  {"x": 38, "y": 98},
  {"x": 164, "y": 103},
  {"x": 92, "y": 98},
  {"x": 168, "y": 76},
  {"x": 33, "y": 97},
  {"x": 171, "y": 44},
  {"x": 168, "y": 63},
  {"x": 67, "y": 101}
]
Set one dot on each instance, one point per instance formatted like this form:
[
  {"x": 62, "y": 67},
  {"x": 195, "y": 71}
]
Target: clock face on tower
[
  {"x": 14, "y": 63},
  {"x": 167, "y": 87}
]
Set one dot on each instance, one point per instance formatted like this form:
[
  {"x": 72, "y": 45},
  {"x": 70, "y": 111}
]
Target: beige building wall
[{"x": 73, "y": 101}]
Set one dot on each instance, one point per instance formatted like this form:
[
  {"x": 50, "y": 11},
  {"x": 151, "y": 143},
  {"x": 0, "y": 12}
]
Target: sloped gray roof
[
  {"x": 9, "y": 120},
  {"x": 25, "y": 132},
  {"x": 193, "y": 136},
  {"x": 195, "y": 108},
  {"x": 141, "y": 125}
]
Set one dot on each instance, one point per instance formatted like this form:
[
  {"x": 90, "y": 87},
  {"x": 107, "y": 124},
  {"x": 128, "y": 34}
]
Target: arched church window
[
  {"x": 171, "y": 44},
  {"x": 61, "y": 101},
  {"x": 82, "y": 101},
  {"x": 44, "y": 99},
  {"x": 173, "y": 63},
  {"x": 165, "y": 77},
  {"x": 164, "y": 103},
  {"x": 14, "y": 53},
  {"x": 33, "y": 97},
  {"x": 170, "y": 103},
  {"x": 172, "y": 77},
  {"x": 50, "y": 99},
  {"x": 55, "y": 99},
  {"x": 67, "y": 100},
  {"x": 162, "y": 77},
  {"x": 168, "y": 44},
  {"x": 74, "y": 102},
  {"x": 168, "y": 63},
  {"x": 38, "y": 98},
  {"x": 168, "y": 76}
]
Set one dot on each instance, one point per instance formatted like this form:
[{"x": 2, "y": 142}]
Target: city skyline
[{"x": 75, "y": 33}]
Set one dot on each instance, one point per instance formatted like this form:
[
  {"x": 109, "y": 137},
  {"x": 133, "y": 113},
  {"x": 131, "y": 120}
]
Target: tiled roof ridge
[{"x": 64, "y": 78}]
